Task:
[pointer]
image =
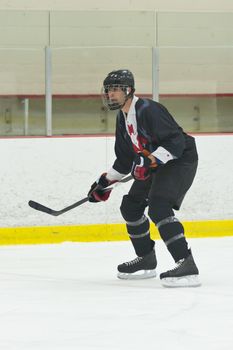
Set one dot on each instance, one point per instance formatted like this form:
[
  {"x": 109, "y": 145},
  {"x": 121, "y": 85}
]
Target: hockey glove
[
  {"x": 98, "y": 191},
  {"x": 141, "y": 167}
]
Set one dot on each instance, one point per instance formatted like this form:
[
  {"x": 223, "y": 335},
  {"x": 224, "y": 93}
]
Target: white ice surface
[{"x": 67, "y": 296}]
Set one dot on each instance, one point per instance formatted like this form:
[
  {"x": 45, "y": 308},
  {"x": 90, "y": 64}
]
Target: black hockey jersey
[{"x": 155, "y": 127}]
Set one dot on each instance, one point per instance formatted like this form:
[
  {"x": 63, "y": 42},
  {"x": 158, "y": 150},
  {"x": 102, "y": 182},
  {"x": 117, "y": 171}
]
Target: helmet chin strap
[{"x": 127, "y": 97}]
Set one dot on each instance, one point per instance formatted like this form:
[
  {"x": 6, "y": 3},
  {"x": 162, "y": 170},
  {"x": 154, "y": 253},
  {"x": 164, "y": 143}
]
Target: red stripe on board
[
  {"x": 89, "y": 96},
  {"x": 106, "y": 135}
]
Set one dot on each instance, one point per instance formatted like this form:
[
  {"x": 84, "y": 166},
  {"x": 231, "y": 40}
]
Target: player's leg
[
  {"x": 168, "y": 189},
  {"x": 138, "y": 227}
]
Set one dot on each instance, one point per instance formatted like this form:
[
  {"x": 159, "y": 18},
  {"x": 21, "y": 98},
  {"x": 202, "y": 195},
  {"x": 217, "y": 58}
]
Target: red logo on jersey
[
  {"x": 130, "y": 129},
  {"x": 136, "y": 145}
]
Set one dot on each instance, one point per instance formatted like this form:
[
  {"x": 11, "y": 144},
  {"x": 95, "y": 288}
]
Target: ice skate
[
  {"x": 140, "y": 268},
  {"x": 185, "y": 274}
]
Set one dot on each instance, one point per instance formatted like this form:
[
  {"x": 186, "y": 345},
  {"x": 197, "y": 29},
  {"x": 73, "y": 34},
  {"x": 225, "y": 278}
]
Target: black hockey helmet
[{"x": 121, "y": 78}]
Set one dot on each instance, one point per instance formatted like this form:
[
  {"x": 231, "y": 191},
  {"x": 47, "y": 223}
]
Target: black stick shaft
[{"x": 44, "y": 209}]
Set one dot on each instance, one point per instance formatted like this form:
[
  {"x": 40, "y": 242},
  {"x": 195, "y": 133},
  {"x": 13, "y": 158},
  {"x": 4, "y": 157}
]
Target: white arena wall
[
  {"x": 196, "y": 49},
  {"x": 163, "y": 5}
]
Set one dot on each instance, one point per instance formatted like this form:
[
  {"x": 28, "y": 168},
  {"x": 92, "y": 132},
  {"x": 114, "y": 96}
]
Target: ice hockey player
[{"x": 163, "y": 160}]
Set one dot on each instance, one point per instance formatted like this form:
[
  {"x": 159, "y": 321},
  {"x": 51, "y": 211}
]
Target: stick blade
[{"x": 40, "y": 207}]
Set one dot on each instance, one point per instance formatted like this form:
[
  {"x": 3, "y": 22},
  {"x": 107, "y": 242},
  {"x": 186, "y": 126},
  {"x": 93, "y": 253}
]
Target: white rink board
[{"x": 59, "y": 171}]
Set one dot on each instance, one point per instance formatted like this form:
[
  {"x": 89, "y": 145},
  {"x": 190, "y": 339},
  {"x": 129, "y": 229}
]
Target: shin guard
[
  {"x": 139, "y": 233},
  {"x": 172, "y": 233}
]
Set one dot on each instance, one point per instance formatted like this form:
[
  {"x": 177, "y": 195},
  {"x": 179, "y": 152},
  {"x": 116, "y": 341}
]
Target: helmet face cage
[
  {"x": 113, "y": 105},
  {"x": 122, "y": 79}
]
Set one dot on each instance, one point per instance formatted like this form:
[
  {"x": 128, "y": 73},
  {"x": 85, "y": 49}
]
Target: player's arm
[{"x": 167, "y": 133}]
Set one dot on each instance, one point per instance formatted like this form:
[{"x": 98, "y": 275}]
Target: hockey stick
[{"x": 44, "y": 209}]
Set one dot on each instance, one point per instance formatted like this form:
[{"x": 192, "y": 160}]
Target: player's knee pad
[
  {"x": 159, "y": 209},
  {"x": 131, "y": 210},
  {"x": 138, "y": 228}
]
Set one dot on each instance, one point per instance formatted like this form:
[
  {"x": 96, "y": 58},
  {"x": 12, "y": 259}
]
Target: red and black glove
[
  {"x": 142, "y": 166},
  {"x": 98, "y": 191}
]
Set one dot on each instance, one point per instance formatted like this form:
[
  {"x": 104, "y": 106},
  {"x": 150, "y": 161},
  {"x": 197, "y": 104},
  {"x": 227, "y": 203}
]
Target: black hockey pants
[{"x": 162, "y": 192}]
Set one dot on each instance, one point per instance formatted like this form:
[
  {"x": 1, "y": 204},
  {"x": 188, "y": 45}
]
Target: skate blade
[
  {"x": 139, "y": 275},
  {"x": 184, "y": 281}
]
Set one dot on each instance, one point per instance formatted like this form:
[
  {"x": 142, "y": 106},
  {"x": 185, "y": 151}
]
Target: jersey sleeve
[{"x": 164, "y": 129}]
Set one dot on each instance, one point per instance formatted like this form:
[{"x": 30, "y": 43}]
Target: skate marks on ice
[{"x": 67, "y": 296}]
